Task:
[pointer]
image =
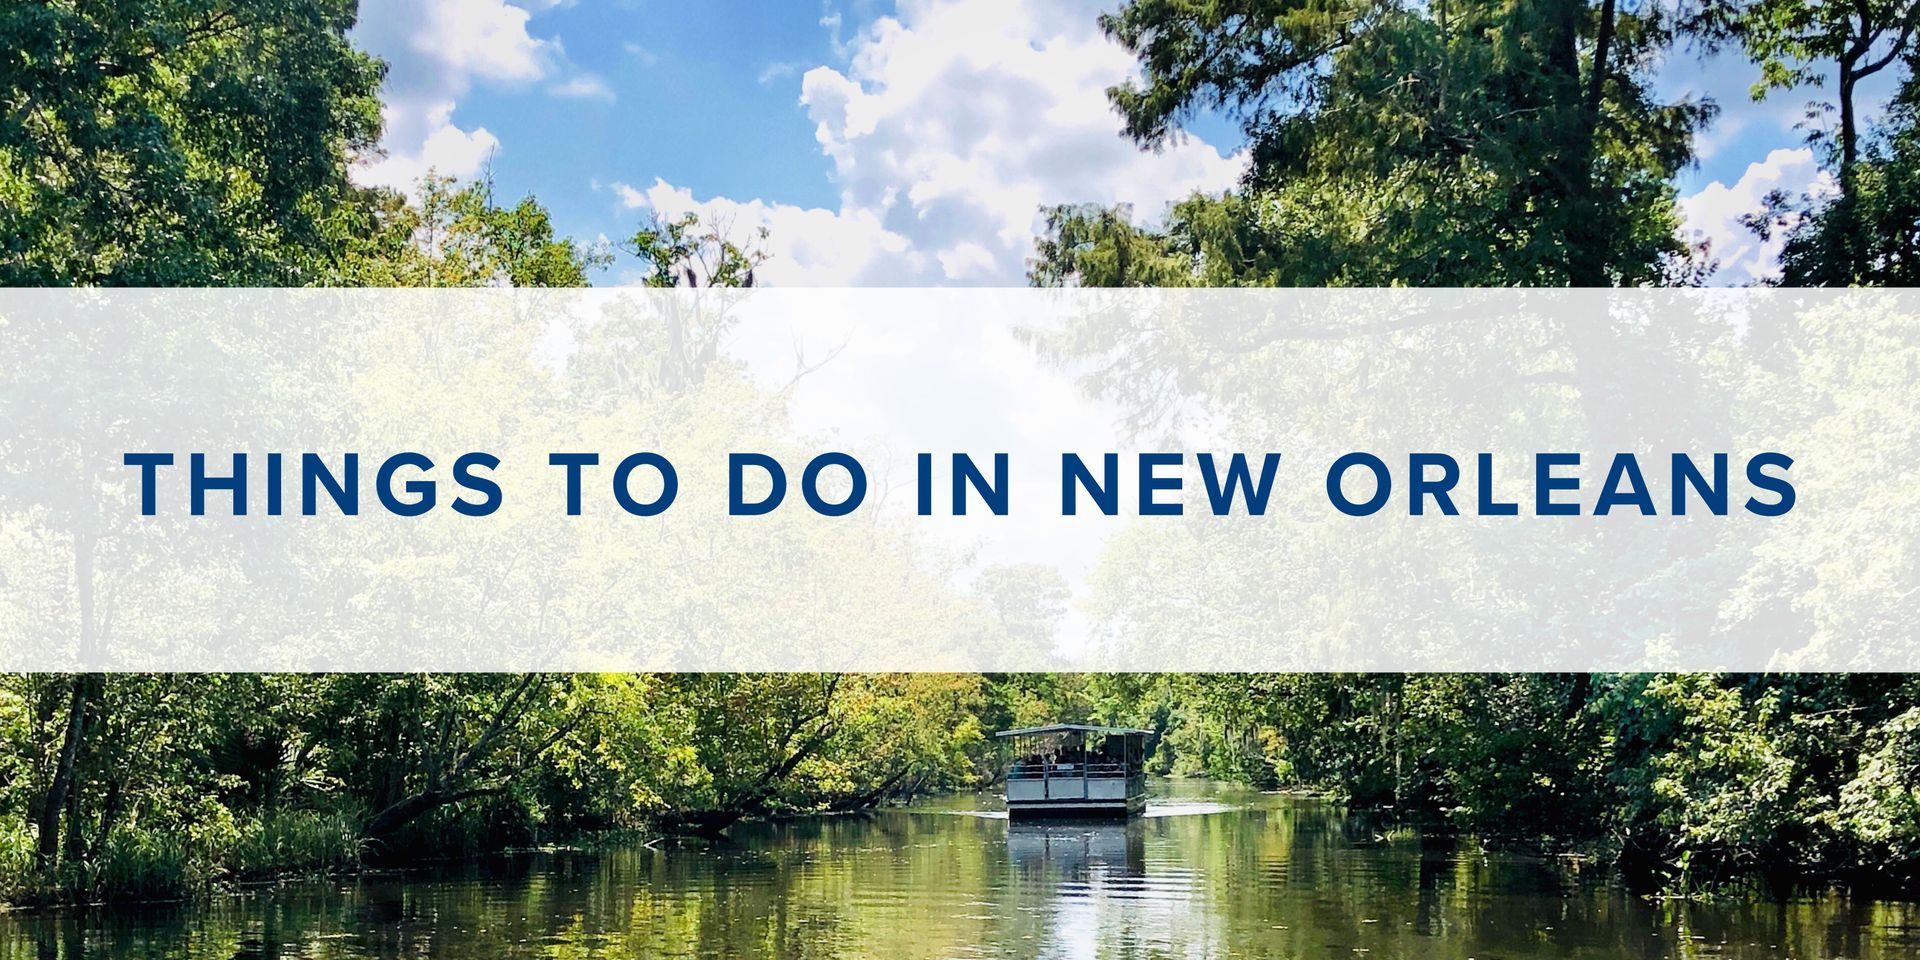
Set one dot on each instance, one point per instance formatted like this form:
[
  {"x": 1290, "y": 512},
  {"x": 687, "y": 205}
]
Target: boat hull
[{"x": 1118, "y": 808}]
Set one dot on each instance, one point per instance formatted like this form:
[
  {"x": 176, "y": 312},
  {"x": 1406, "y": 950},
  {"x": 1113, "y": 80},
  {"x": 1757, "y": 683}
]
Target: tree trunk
[
  {"x": 55, "y": 801},
  {"x": 1584, "y": 237},
  {"x": 1602, "y": 49},
  {"x": 869, "y": 799},
  {"x": 1567, "y": 124},
  {"x": 1849, "y": 127},
  {"x": 388, "y": 821},
  {"x": 1579, "y": 691},
  {"x": 1849, "y": 155},
  {"x": 74, "y": 848}
]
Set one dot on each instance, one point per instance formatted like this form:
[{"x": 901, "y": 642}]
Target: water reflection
[
  {"x": 1077, "y": 852},
  {"x": 1208, "y": 874}
]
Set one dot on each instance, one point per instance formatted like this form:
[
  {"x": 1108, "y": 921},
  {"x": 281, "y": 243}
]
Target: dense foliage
[
  {"x": 1445, "y": 144},
  {"x": 1686, "y": 780},
  {"x": 1857, "y": 231},
  {"x": 156, "y": 143}
]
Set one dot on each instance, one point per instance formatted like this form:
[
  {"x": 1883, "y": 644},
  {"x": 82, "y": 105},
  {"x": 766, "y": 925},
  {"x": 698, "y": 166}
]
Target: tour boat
[{"x": 1076, "y": 770}]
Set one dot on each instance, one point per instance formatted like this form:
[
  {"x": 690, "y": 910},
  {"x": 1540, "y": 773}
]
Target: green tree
[
  {"x": 160, "y": 144},
  {"x": 1793, "y": 40},
  {"x": 455, "y": 235},
  {"x": 683, "y": 251},
  {"x": 163, "y": 144},
  {"x": 1863, "y": 234},
  {"x": 1870, "y": 235},
  {"x": 1459, "y": 143},
  {"x": 411, "y": 745}
]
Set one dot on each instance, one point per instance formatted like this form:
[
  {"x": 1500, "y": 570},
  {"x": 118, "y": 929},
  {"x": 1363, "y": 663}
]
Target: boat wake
[
  {"x": 1186, "y": 808},
  {"x": 1171, "y": 808}
]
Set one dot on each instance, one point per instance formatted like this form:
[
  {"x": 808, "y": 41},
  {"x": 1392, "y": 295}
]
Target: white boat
[{"x": 1076, "y": 770}]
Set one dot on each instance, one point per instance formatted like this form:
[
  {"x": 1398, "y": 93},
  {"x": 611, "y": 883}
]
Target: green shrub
[
  {"x": 135, "y": 864},
  {"x": 148, "y": 863},
  {"x": 16, "y": 859},
  {"x": 295, "y": 841},
  {"x": 1879, "y": 809}
]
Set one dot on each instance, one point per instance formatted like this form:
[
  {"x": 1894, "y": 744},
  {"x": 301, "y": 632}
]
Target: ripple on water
[{"x": 1206, "y": 873}]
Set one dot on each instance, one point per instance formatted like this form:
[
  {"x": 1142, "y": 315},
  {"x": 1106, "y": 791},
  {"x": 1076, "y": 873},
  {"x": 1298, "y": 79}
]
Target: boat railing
[{"x": 1088, "y": 771}]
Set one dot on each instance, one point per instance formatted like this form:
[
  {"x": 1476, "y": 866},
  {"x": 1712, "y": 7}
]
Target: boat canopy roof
[{"x": 1072, "y": 728}]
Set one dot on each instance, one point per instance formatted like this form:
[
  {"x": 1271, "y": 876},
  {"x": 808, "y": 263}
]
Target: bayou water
[{"x": 1209, "y": 872}]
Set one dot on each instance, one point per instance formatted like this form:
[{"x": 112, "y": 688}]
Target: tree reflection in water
[{"x": 1211, "y": 872}]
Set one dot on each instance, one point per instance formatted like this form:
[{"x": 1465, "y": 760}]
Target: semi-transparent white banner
[{"x": 959, "y": 480}]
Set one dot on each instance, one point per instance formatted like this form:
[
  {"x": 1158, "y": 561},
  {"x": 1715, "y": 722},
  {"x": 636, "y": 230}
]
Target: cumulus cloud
[
  {"x": 630, "y": 197},
  {"x": 445, "y": 148},
  {"x": 479, "y": 38},
  {"x": 949, "y": 128},
  {"x": 1713, "y": 214},
  {"x": 809, "y": 246},
  {"x": 437, "y": 50}
]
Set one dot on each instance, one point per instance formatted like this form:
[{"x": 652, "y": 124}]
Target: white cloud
[
  {"x": 949, "y": 128},
  {"x": 481, "y": 38},
  {"x": 967, "y": 261},
  {"x": 810, "y": 246},
  {"x": 1713, "y": 214},
  {"x": 777, "y": 71},
  {"x": 437, "y": 50},
  {"x": 584, "y": 86},
  {"x": 832, "y": 22},
  {"x": 630, "y": 197},
  {"x": 445, "y": 149}
]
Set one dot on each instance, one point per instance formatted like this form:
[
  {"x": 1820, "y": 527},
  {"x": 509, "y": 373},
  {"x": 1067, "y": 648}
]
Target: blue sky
[{"x": 880, "y": 145}]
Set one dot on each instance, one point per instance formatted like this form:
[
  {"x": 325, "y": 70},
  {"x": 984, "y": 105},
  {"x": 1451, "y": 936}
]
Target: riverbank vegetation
[
  {"x": 1685, "y": 781},
  {"x": 182, "y": 783}
]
